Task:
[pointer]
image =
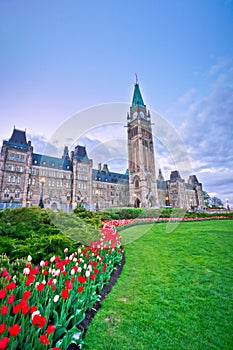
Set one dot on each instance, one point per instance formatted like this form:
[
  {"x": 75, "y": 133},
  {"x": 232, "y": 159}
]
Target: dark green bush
[
  {"x": 92, "y": 218},
  {"x": 133, "y": 213},
  {"x": 124, "y": 213},
  {"x": 42, "y": 233}
]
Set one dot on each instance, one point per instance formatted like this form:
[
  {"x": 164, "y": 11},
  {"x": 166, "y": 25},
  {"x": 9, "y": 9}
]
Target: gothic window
[
  {"x": 18, "y": 180},
  {"x": 9, "y": 178},
  {"x": 136, "y": 183},
  {"x": 17, "y": 193},
  {"x": 13, "y": 178},
  {"x": 6, "y": 192}
]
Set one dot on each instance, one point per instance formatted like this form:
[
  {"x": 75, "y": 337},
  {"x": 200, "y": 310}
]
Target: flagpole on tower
[{"x": 136, "y": 78}]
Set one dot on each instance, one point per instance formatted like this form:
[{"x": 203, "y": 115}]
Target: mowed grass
[{"x": 175, "y": 291}]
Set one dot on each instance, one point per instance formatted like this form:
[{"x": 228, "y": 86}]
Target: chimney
[{"x": 105, "y": 169}]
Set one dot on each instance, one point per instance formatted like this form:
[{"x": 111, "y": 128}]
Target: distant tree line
[{"x": 212, "y": 202}]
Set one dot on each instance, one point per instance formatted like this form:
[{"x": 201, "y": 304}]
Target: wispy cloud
[{"x": 207, "y": 130}]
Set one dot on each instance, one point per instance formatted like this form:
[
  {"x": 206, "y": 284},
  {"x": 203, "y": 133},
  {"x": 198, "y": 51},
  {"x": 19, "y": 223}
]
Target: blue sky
[{"x": 61, "y": 57}]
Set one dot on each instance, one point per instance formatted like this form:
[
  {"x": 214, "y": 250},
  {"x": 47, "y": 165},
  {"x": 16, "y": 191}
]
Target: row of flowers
[
  {"x": 116, "y": 223},
  {"x": 42, "y": 307}
]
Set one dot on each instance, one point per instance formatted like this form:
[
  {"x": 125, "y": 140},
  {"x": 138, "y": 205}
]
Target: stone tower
[{"x": 141, "y": 161}]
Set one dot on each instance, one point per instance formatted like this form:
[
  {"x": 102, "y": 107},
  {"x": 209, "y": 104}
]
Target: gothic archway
[
  {"x": 137, "y": 203},
  {"x": 54, "y": 206}
]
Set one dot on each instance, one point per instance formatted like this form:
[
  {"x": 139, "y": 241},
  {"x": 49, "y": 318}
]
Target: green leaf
[
  {"x": 68, "y": 321},
  {"x": 56, "y": 318},
  {"x": 59, "y": 332},
  {"x": 14, "y": 345}
]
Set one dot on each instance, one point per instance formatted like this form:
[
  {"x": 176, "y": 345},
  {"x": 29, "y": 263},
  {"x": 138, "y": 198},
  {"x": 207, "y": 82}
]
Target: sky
[{"x": 68, "y": 67}]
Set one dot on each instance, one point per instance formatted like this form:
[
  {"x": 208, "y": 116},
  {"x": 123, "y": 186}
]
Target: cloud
[
  {"x": 207, "y": 130},
  {"x": 42, "y": 146}
]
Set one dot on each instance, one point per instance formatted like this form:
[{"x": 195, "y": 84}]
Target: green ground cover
[{"x": 175, "y": 291}]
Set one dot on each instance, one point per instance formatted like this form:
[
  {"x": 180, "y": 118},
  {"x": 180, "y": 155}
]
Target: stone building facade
[{"x": 28, "y": 178}]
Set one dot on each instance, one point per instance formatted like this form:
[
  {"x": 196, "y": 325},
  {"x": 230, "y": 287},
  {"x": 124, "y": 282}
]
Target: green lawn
[{"x": 175, "y": 291}]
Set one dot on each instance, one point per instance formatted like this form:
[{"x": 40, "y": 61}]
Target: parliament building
[{"x": 28, "y": 178}]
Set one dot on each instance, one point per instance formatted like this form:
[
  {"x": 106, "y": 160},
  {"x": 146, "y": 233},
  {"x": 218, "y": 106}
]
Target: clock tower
[{"x": 141, "y": 161}]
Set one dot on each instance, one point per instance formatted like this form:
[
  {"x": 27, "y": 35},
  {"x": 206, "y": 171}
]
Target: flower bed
[
  {"x": 117, "y": 223},
  {"x": 42, "y": 307}
]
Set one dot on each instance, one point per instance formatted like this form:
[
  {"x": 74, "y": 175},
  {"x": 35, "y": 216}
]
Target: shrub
[
  {"x": 92, "y": 218},
  {"x": 32, "y": 231},
  {"x": 124, "y": 213}
]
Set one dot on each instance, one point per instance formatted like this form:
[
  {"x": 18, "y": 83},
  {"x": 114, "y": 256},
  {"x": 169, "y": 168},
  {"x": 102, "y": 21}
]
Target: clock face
[
  {"x": 135, "y": 115},
  {"x": 142, "y": 115}
]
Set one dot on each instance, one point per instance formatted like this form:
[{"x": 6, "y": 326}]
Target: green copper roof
[{"x": 137, "y": 97}]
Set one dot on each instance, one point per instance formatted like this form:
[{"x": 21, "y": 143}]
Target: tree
[
  {"x": 207, "y": 199},
  {"x": 216, "y": 202}
]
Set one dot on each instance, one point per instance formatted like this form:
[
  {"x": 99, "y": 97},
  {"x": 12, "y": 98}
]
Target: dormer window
[
  {"x": 44, "y": 162},
  {"x": 52, "y": 164}
]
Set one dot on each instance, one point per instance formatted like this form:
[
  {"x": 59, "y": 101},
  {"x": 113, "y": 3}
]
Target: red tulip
[
  {"x": 2, "y": 328},
  {"x": 50, "y": 329},
  {"x": 2, "y": 293},
  {"x": 14, "y": 330},
  {"x": 39, "y": 321},
  {"x": 10, "y": 285},
  {"x": 11, "y": 299},
  {"x": 26, "y": 294},
  {"x": 44, "y": 339},
  {"x": 40, "y": 287},
  {"x": 64, "y": 293},
  {"x": 4, "y": 342},
  {"x": 4, "y": 309},
  {"x": 82, "y": 279}
]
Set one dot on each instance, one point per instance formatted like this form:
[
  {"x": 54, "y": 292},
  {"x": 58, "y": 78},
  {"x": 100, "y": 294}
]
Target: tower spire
[{"x": 137, "y": 96}]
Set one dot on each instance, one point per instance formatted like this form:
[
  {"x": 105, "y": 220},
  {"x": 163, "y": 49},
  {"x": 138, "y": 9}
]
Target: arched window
[
  {"x": 6, "y": 192},
  {"x": 136, "y": 183},
  {"x": 17, "y": 193}
]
